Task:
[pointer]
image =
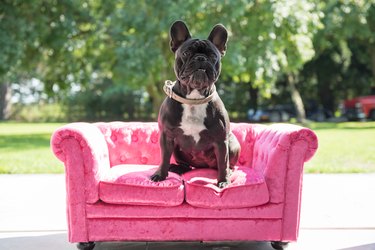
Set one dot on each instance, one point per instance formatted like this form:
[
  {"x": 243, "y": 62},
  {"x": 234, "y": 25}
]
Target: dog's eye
[{"x": 185, "y": 54}]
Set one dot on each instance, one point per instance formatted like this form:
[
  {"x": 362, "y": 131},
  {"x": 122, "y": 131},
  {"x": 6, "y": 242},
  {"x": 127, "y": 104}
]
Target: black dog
[{"x": 193, "y": 122}]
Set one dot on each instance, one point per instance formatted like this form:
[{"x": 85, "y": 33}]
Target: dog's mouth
[
  {"x": 198, "y": 79},
  {"x": 195, "y": 69},
  {"x": 198, "y": 76}
]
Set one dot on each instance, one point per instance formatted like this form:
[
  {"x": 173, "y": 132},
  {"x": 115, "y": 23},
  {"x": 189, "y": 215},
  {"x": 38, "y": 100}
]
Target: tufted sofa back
[{"x": 138, "y": 142}]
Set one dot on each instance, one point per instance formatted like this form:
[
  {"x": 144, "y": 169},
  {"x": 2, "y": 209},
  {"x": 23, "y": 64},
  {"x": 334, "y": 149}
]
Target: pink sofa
[{"x": 110, "y": 196}]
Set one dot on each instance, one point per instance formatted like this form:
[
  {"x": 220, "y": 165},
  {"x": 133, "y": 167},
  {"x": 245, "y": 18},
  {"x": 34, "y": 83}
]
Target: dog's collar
[{"x": 168, "y": 89}]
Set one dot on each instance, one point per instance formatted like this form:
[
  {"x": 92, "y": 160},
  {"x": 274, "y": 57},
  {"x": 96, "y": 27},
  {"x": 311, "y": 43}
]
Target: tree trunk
[
  {"x": 253, "y": 94},
  {"x": 157, "y": 97},
  {"x": 372, "y": 54},
  {"x": 296, "y": 99},
  {"x": 5, "y": 95}
]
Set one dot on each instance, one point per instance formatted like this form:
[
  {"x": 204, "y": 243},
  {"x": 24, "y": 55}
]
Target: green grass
[
  {"x": 343, "y": 148},
  {"x": 347, "y": 147},
  {"x": 25, "y": 148}
]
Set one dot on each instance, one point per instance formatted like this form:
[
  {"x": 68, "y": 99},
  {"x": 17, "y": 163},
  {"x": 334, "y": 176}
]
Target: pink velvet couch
[{"x": 110, "y": 196}]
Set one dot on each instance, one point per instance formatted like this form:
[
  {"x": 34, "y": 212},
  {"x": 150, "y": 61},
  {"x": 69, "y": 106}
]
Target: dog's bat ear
[
  {"x": 219, "y": 37},
  {"x": 179, "y": 33}
]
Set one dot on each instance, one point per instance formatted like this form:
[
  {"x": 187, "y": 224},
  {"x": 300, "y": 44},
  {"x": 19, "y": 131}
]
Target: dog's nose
[{"x": 200, "y": 58}]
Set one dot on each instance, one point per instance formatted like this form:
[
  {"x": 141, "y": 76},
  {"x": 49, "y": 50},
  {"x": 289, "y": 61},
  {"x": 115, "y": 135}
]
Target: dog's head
[{"x": 197, "y": 65}]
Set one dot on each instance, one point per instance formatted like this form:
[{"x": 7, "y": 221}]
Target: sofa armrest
[
  {"x": 84, "y": 152},
  {"x": 281, "y": 150}
]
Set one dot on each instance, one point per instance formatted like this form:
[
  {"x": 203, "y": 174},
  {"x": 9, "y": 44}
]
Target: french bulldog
[{"x": 193, "y": 122}]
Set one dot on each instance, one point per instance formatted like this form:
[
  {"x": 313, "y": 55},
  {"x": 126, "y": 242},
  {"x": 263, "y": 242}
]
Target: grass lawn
[
  {"x": 24, "y": 148},
  {"x": 343, "y": 148},
  {"x": 347, "y": 147}
]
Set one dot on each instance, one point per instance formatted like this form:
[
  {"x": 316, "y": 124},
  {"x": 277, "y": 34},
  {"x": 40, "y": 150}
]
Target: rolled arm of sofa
[
  {"x": 84, "y": 152},
  {"x": 280, "y": 151}
]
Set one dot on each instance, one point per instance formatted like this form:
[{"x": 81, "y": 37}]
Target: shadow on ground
[
  {"x": 362, "y": 247},
  {"x": 59, "y": 241}
]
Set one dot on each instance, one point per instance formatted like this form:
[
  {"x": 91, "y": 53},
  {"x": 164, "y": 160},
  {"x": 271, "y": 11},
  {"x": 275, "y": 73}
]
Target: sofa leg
[
  {"x": 279, "y": 245},
  {"x": 86, "y": 245}
]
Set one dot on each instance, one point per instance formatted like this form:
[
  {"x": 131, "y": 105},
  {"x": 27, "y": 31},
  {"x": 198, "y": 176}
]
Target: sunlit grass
[
  {"x": 343, "y": 148},
  {"x": 25, "y": 148}
]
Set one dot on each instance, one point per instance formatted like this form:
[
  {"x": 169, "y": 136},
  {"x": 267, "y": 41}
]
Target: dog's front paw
[
  {"x": 157, "y": 176},
  {"x": 222, "y": 184}
]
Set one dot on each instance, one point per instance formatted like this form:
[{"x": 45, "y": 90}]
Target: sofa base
[
  {"x": 278, "y": 245},
  {"x": 184, "y": 230}
]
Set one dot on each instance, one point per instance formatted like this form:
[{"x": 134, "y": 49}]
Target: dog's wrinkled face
[{"x": 197, "y": 64}]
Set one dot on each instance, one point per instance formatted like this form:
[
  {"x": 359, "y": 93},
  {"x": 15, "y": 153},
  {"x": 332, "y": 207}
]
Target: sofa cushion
[
  {"x": 247, "y": 189},
  {"x": 131, "y": 184}
]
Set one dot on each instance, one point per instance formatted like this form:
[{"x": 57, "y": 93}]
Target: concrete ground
[{"x": 337, "y": 213}]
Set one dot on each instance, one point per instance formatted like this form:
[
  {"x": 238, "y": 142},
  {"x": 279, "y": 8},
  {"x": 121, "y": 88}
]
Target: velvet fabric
[
  {"x": 247, "y": 188},
  {"x": 184, "y": 229},
  {"x": 131, "y": 184},
  {"x": 105, "y": 210},
  {"x": 109, "y": 195}
]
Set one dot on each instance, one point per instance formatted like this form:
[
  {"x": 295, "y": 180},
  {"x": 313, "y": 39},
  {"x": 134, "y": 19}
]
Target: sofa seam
[
  {"x": 140, "y": 186},
  {"x": 285, "y": 187},
  {"x": 85, "y": 201}
]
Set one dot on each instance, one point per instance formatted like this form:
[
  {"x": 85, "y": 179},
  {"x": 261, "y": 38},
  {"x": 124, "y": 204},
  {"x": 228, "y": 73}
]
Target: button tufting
[
  {"x": 122, "y": 158},
  {"x": 241, "y": 161},
  {"x": 154, "y": 139},
  {"x": 113, "y": 137},
  {"x": 134, "y": 138},
  {"x": 249, "y": 138},
  {"x": 144, "y": 160}
]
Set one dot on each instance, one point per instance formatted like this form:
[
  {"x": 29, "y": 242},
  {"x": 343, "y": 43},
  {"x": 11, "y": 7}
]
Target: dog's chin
[{"x": 199, "y": 79}]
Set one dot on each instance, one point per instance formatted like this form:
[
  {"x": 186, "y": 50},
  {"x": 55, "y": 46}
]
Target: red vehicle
[{"x": 360, "y": 108}]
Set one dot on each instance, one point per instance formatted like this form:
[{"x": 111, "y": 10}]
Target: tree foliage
[
  {"x": 320, "y": 46},
  {"x": 344, "y": 64}
]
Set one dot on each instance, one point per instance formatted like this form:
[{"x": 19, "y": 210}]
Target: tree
[
  {"x": 348, "y": 21},
  {"x": 37, "y": 39},
  {"x": 342, "y": 66},
  {"x": 269, "y": 39},
  {"x": 89, "y": 43}
]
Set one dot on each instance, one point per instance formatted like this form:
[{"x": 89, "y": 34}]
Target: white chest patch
[{"x": 192, "y": 122}]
